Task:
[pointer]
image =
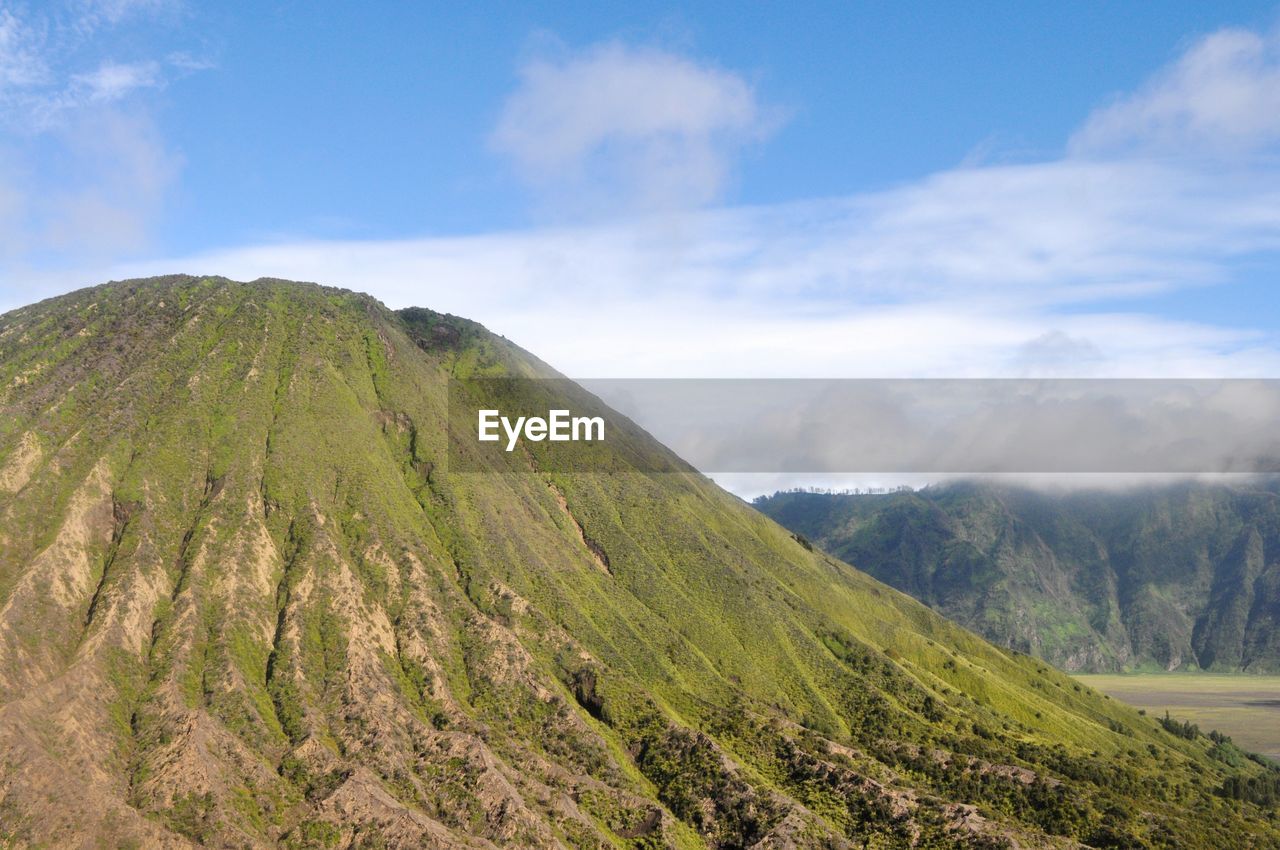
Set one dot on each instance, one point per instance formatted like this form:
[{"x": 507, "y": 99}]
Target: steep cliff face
[
  {"x": 1182, "y": 576},
  {"x": 243, "y": 603}
]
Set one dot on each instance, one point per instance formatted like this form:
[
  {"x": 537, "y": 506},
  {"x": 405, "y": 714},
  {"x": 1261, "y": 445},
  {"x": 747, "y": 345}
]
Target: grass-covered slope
[
  {"x": 1181, "y": 576},
  {"x": 243, "y": 604}
]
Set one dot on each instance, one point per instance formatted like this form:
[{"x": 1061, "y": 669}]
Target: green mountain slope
[
  {"x": 242, "y": 604},
  {"x": 1182, "y": 576}
]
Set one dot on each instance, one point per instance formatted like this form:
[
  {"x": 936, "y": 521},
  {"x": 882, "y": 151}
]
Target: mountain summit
[{"x": 243, "y": 604}]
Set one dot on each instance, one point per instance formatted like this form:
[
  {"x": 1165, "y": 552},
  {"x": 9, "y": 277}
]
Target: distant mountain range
[{"x": 1185, "y": 576}]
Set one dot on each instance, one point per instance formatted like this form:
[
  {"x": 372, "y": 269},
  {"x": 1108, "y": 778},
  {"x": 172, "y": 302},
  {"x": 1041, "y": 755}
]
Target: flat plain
[{"x": 1245, "y": 707}]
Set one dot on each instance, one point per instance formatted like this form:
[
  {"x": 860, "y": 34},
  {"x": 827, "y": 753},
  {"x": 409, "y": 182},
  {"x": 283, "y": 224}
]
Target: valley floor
[{"x": 1245, "y": 707}]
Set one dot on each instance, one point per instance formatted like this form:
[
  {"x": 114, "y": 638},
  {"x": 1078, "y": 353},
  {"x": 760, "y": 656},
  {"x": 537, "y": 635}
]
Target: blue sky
[{"x": 643, "y": 189}]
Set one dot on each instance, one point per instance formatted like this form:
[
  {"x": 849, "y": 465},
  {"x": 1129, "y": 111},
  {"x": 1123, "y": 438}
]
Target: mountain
[
  {"x": 244, "y": 604},
  {"x": 1184, "y": 576}
]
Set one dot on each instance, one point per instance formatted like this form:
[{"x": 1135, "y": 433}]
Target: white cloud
[
  {"x": 1221, "y": 96},
  {"x": 86, "y": 168},
  {"x": 94, "y": 14},
  {"x": 998, "y": 271},
  {"x": 635, "y": 128},
  {"x": 127, "y": 173},
  {"x": 49, "y": 67},
  {"x": 21, "y": 65},
  {"x": 112, "y": 81},
  {"x": 1035, "y": 269},
  {"x": 182, "y": 61}
]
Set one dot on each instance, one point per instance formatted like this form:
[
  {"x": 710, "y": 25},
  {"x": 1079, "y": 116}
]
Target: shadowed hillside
[{"x": 1184, "y": 576}]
